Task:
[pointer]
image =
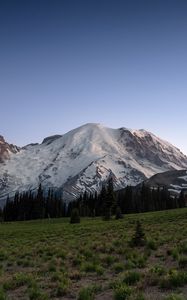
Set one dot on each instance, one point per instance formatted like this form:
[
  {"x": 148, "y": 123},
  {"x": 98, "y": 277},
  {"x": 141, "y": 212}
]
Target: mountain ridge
[{"x": 175, "y": 181}]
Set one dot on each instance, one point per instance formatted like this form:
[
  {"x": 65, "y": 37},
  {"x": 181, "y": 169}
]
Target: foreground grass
[{"x": 94, "y": 259}]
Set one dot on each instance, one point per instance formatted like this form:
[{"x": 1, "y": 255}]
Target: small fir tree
[
  {"x": 75, "y": 217},
  {"x": 118, "y": 213},
  {"x": 138, "y": 239}
]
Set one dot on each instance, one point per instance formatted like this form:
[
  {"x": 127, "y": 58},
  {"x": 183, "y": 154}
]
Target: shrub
[
  {"x": 36, "y": 294},
  {"x": 89, "y": 267},
  {"x": 151, "y": 244},
  {"x": 122, "y": 292},
  {"x": 56, "y": 276},
  {"x": 87, "y": 293},
  {"x": 18, "y": 279},
  {"x": 174, "y": 279},
  {"x": 99, "y": 270},
  {"x": 178, "y": 278},
  {"x": 131, "y": 277},
  {"x": 109, "y": 260},
  {"x": 183, "y": 261},
  {"x": 3, "y": 255},
  {"x": 63, "y": 287},
  {"x": 52, "y": 266},
  {"x": 61, "y": 254},
  {"x": 118, "y": 267},
  {"x": 159, "y": 270},
  {"x": 183, "y": 247},
  {"x": 2, "y": 294},
  {"x": 175, "y": 253},
  {"x": 139, "y": 297},
  {"x": 75, "y": 275},
  {"x": 77, "y": 260}
]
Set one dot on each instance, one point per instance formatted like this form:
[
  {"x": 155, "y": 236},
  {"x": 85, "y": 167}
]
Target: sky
[{"x": 64, "y": 63}]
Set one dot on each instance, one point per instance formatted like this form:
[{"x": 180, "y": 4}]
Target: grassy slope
[{"x": 55, "y": 260}]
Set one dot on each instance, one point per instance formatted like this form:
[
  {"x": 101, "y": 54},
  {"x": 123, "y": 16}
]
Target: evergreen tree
[
  {"x": 128, "y": 200},
  {"x": 139, "y": 236},
  {"x": 118, "y": 213},
  {"x": 109, "y": 201},
  {"x": 75, "y": 217},
  {"x": 181, "y": 200}
]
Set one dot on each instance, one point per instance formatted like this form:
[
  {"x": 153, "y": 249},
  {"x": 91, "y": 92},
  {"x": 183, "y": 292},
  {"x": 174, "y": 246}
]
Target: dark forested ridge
[{"x": 39, "y": 205}]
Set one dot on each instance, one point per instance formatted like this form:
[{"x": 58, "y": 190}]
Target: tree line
[
  {"x": 128, "y": 200},
  {"x": 33, "y": 205},
  {"x": 41, "y": 205}
]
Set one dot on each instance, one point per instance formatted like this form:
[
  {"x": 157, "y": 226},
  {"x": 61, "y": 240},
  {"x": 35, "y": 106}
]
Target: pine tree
[
  {"x": 181, "y": 199},
  {"x": 139, "y": 236},
  {"x": 118, "y": 213},
  {"x": 75, "y": 217},
  {"x": 109, "y": 201}
]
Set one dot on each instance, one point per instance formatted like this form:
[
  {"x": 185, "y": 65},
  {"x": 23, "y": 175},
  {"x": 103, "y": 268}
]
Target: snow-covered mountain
[{"x": 85, "y": 157}]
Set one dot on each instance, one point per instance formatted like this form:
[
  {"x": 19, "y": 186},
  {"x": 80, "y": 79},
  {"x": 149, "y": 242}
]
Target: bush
[
  {"x": 122, "y": 292},
  {"x": 183, "y": 247},
  {"x": 183, "y": 261},
  {"x": 63, "y": 287},
  {"x": 87, "y": 293},
  {"x": 75, "y": 217},
  {"x": 131, "y": 278},
  {"x": 151, "y": 244},
  {"x": 18, "y": 280},
  {"x": 140, "y": 297},
  {"x": 2, "y": 294},
  {"x": 89, "y": 267},
  {"x": 36, "y": 294},
  {"x": 109, "y": 260},
  {"x": 174, "y": 279},
  {"x": 175, "y": 253},
  {"x": 158, "y": 270},
  {"x": 118, "y": 267}
]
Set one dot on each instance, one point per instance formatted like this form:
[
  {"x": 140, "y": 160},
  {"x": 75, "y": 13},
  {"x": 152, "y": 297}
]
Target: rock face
[
  {"x": 85, "y": 157},
  {"x": 6, "y": 149}
]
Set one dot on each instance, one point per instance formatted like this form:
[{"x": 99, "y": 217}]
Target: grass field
[{"x": 94, "y": 260}]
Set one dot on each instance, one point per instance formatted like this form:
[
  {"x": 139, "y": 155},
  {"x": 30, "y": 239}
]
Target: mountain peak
[{"x": 91, "y": 126}]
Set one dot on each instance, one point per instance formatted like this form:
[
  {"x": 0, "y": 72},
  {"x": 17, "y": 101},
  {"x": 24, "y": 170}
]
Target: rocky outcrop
[{"x": 6, "y": 149}]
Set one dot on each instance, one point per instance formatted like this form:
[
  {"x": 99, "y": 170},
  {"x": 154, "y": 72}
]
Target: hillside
[{"x": 52, "y": 259}]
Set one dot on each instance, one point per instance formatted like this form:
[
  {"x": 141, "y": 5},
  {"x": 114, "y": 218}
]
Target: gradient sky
[{"x": 115, "y": 62}]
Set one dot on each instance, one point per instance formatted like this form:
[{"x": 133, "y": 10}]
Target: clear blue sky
[{"x": 115, "y": 62}]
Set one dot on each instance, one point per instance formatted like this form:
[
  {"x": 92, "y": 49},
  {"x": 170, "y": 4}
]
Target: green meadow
[{"x": 53, "y": 259}]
